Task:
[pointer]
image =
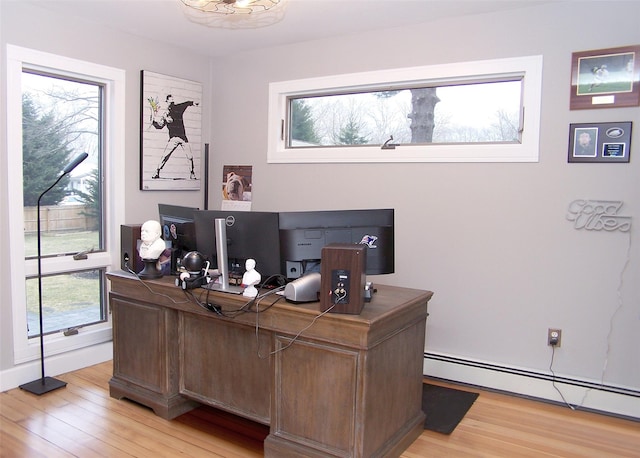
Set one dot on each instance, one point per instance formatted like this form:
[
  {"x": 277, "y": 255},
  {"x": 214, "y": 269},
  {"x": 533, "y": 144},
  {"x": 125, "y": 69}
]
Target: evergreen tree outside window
[
  {"x": 61, "y": 119},
  {"x": 302, "y": 127},
  {"x": 58, "y": 108}
]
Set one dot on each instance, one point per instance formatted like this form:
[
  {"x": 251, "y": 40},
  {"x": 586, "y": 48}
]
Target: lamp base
[{"x": 43, "y": 385}]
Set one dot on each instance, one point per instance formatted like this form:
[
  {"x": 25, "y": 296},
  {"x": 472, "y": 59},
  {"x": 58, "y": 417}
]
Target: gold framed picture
[{"x": 605, "y": 78}]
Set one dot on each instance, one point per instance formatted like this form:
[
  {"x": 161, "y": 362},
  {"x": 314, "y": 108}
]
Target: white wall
[{"x": 491, "y": 240}]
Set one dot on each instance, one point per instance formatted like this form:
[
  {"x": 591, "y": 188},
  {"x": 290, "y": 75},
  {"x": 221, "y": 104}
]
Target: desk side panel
[
  {"x": 140, "y": 354},
  {"x": 392, "y": 397},
  {"x": 145, "y": 356}
]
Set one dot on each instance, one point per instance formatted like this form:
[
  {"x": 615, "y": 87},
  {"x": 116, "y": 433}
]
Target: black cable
[
  {"x": 270, "y": 292},
  {"x": 246, "y": 308},
  {"x": 204, "y": 305},
  {"x": 294, "y": 339},
  {"x": 146, "y": 285},
  {"x": 282, "y": 281}
]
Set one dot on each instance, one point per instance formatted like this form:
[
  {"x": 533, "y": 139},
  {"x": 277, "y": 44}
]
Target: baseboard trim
[
  {"x": 56, "y": 365},
  {"x": 582, "y": 394}
]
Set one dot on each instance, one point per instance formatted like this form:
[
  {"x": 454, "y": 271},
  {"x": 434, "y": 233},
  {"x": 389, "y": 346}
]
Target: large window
[
  {"x": 57, "y": 109},
  {"x": 475, "y": 111},
  {"x": 62, "y": 118}
]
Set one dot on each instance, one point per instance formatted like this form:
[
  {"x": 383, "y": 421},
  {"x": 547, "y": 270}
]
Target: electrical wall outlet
[{"x": 554, "y": 337}]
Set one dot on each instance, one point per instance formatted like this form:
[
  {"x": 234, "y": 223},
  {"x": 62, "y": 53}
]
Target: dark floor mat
[{"x": 445, "y": 407}]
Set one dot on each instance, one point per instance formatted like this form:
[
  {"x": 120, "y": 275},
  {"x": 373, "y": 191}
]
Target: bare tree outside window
[
  {"x": 485, "y": 112},
  {"x": 61, "y": 119}
]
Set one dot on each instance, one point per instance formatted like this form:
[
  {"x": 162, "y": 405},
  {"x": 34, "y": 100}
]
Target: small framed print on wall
[
  {"x": 600, "y": 142},
  {"x": 605, "y": 78},
  {"x": 170, "y": 133}
]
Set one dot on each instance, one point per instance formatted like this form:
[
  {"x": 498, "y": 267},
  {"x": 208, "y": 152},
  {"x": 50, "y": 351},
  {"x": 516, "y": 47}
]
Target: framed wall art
[
  {"x": 170, "y": 133},
  {"x": 600, "y": 142},
  {"x": 605, "y": 78}
]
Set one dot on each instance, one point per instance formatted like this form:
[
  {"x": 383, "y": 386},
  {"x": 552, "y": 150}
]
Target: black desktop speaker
[
  {"x": 129, "y": 240},
  {"x": 343, "y": 269}
]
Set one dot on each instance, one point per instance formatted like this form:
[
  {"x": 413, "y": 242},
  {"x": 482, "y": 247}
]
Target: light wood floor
[{"x": 81, "y": 420}]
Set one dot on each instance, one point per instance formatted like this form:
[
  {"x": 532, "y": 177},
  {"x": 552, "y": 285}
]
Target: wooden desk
[{"x": 347, "y": 386}]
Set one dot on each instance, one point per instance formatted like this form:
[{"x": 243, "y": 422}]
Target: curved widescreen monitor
[{"x": 304, "y": 234}]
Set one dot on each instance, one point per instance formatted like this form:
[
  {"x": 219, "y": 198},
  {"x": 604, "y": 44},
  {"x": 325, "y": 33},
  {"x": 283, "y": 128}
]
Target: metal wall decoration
[
  {"x": 598, "y": 215},
  {"x": 170, "y": 133}
]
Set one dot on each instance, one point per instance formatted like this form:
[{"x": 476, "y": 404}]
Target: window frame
[
  {"x": 113, "y": 80},
  {"x": 527, "y": 67}
]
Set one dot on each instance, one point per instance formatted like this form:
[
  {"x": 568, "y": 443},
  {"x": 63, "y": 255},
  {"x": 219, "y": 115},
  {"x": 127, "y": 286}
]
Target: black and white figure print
[{"x": 171, "y": 133}]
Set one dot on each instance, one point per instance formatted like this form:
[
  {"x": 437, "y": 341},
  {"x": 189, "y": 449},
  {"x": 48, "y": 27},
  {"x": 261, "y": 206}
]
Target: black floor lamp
[{"x": 45, "y": 384}]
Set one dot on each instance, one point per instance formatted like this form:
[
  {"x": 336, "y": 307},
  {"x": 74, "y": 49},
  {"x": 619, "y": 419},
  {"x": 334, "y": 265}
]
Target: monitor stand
[
  {"x": 231, "y": 289},
  {"x": 222, "y": 283}
]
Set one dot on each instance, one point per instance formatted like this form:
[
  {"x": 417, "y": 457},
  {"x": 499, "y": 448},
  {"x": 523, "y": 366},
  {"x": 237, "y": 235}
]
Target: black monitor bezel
[
  {"x": 183, "y": 216},
  {"x": 264, "y": 246}
]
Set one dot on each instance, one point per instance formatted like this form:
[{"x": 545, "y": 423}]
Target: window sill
[{"x": 58, "y": 343}]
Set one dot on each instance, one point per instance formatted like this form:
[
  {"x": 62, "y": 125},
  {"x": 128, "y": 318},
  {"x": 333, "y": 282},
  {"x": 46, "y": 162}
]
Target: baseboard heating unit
[{"x": 577, "y": 393}]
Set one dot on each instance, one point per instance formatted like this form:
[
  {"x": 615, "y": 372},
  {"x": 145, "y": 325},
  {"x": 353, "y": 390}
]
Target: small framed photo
[
  {"x": 605, "y": 78},
  {"x": 600, "y": 142},
  {"x": 170, "y": 133}
]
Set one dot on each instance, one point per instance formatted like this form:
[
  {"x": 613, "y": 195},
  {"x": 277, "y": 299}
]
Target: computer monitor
[
  {"x": 304, "y": 234},
  {"x": 250, "y": 235},
  {"x": 178, "y": 230}
]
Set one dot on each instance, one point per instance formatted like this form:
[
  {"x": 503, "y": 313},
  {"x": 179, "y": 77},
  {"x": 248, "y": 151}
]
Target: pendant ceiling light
[{"x": 234, "y": 13}]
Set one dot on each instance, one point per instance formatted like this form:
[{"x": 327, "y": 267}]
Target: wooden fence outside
[{"x": 54, "y": 218}]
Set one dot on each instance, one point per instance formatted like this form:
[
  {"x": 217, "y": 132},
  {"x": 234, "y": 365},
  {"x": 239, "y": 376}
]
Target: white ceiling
[{"x": 164, "y": 21}]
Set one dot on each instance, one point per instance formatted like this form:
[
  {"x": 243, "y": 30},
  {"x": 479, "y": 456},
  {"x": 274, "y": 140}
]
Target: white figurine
[
  {"x": 152, "y": 244},
  {"x": 250, "y": 278}
]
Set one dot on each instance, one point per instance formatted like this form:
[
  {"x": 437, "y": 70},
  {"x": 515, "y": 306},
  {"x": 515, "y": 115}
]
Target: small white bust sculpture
[
  {"x": 152, "y": 244},
  {"x": 250, "y": 278}
]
